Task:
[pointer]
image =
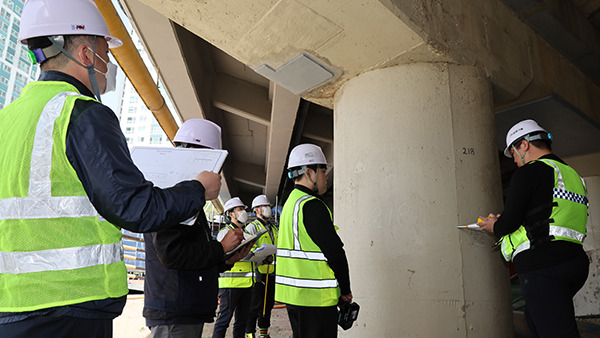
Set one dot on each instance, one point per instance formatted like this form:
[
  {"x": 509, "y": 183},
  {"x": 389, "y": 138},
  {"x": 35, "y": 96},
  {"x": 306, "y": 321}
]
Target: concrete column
[
  {"x": 415, "y": 156},
  {"x": 586, "y": 301}
]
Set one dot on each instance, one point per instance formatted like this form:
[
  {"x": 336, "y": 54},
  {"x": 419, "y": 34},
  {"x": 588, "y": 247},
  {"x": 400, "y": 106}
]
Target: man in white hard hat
[
  {"x": 260, "y": 310},
  {"x": 542, "y": 228},
  {"x": 235, "y": 285},
  {"x": 312, "y": 270},
  {"x": 183, "y": 262},
  {"x": 69, "y": 184}
]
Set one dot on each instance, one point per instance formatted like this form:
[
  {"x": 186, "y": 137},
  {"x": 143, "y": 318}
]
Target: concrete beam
[
  {"x": 242, "y": 98},
  {"x": 249, "y": 173},
  {"x": 283, "y": 116},
  {"x": 157, "y": 34}
]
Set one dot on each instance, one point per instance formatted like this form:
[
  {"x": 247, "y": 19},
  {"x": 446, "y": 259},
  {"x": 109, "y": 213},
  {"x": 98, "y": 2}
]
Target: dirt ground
[{"x": 131, "y": 324}]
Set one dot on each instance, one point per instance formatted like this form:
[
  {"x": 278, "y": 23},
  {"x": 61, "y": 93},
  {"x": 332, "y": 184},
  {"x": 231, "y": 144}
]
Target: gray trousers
[{"x": 177, "y": 331}]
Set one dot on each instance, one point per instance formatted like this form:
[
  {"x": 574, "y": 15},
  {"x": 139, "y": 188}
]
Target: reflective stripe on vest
[
  {"x": 39, "y": 203},
  {"x": 295, "y": 222},
  {"x": 312, "y": 256},
  {"x": 307, "y": 283},
  {"x": 236, "y": 274},
  {"x": 59, "y": 259},
  {"x": 554, "y": 231}
]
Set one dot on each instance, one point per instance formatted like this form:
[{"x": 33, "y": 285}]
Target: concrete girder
[
  {"x": 157, "y": 33},
  {"x": 242, "y": 98},
  {"x": 249, "y": 173},
  {"x": 283, "y": 116}
]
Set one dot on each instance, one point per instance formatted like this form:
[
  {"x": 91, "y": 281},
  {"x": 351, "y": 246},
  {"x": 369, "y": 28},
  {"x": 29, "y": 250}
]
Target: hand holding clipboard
[{"x": 245, "y": 243}]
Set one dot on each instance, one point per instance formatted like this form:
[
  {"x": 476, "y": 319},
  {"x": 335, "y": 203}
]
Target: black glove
[{"x": 268, "y": 260}]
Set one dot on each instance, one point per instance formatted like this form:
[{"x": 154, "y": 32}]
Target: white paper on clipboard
[{"x": 166, "y": 167}]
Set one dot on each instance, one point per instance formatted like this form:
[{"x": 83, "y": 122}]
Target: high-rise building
[
  {"x": 15, "y": 70},
  {"x": 137, "y": 122}
]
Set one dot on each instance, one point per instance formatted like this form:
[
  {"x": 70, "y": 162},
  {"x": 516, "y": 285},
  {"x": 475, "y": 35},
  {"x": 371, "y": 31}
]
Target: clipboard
[
  {"x": 165, "y": 167},
  {"x": 244, "y": 243},
  {"x": 262, "y": 252}
]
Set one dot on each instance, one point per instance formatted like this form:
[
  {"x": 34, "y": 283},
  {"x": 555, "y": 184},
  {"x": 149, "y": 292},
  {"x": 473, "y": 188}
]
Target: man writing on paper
[
  {"x": 312, "y": 269},
  {"x": 542, "y": 229},
  {"x": 263, "y": 292},
  {"x": 69, "y": 184},
  {"x": 183, "y": 262}
]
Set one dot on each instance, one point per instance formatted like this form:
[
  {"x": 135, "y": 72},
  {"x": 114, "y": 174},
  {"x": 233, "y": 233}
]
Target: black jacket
[
  {"x": 182, "y": 274},
  {"x": 97, "y": 150}
]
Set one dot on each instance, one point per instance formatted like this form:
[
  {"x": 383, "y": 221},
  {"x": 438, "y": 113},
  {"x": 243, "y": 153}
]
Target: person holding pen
[
  {"x": 235, "y": 284},
  {"x": 541, "y": 230}
]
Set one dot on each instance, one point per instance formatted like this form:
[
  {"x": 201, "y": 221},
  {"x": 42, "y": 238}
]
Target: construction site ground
[{"x": 131, "y": 323}]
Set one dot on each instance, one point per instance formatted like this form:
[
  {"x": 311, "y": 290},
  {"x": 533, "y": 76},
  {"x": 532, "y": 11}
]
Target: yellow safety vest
[
  {"x": 264, "y": 239},
  {"x": 241, "y": 274},
  {"x": 55, "y": 249},
  {"x": 303, "y": 276},
  {"x": 568, "y": 217}
]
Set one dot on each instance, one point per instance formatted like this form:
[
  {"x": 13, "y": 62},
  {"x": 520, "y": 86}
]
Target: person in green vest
[
  {"x": 312, "y": 270},
  {"x": 541, "y": 230},
  {"x": 68, "y": 183},
  {"x": 235, "y": 285},
  {"x": 263, "y": 292}
]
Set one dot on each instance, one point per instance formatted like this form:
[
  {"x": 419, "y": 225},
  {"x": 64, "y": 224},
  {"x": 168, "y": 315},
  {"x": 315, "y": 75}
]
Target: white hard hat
[
  {"x": 306, "y": 154},
  {"x": 233, "y": 203},
  {"x": 201, "y": 132},
  {"x": 260, "y": 200},
  {"x": 523, "y": 128},
  {"x": 63, "y": 17}
]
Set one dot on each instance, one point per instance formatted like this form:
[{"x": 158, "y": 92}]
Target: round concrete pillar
[
  {"x": 586, "y": 301},
  {"x": 415, "y": 156}
]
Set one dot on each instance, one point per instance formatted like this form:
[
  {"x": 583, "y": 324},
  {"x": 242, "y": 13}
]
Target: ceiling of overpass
[
  {"x": 261, "y": 120},
  {"x": 572, "y": 27},
  {"x": 573, "y": 132}
]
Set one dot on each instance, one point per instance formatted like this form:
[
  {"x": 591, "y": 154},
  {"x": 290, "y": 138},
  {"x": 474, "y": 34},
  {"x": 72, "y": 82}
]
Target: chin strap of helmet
[
  {"x": 58, "y": 42},
  {"x": 315, "y": 189}
]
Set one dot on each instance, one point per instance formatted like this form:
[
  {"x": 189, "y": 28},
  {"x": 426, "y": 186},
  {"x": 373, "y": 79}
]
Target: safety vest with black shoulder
[
  {"x": 303, "y": 276},
  {"x": 568, "y": 217}
]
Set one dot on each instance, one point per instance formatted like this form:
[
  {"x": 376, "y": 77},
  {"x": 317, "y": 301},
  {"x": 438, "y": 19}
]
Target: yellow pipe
[
  {"x": 132, "y": 64},
  {"x": 218, "y": 206}
]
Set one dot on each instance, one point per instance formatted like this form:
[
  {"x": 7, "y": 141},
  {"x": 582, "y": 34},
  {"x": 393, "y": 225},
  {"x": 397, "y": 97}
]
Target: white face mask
[
  {"x": 266, "y": 211},
  {"x": 242, "y": 216},
  {"x": 110, "y": 75}
]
